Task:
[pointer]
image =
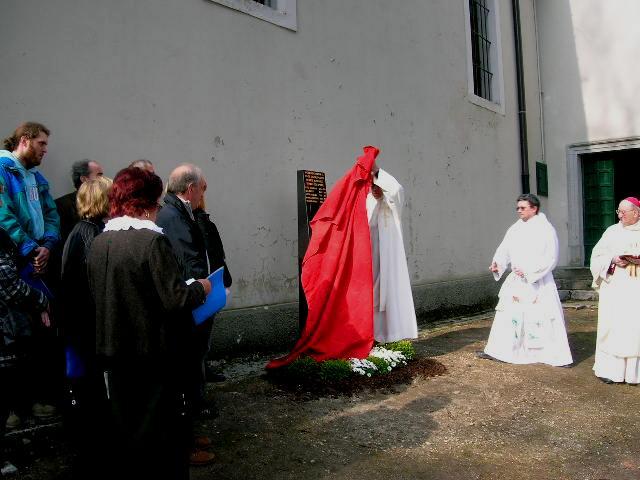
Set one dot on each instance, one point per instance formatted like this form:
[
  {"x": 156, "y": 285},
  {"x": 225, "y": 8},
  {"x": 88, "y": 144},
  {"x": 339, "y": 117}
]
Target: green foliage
[
  {"x": 335, "y": 370},
  {"x": 303, "y": 368},
  {"x": 403, "y": 346},
  {"x": 306, "y": 369},
  {"x": 381, "y": 364}
]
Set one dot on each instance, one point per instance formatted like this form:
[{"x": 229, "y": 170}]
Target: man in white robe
[
  {"x": 618, "y": 340},
  {"x": 394, "y": 312},
  {"x": 529, "y": 323}
]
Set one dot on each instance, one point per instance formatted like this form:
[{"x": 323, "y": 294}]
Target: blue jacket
[{"x": 14, "y": 213}]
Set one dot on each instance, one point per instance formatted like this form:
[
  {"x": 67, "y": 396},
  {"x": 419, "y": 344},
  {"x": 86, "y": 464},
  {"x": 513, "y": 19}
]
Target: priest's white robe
[
  {"x": 529, "y": 323},
  {"x": 618, "y": 338},
  {"x": 394, "y": 312}
]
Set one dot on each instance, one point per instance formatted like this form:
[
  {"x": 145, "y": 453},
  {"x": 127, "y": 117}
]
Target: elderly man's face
[
  {"x": 196, "y": 191},
  {"x": 627, "y": 214},
  {"x": 95, "y": 171},
  {"x": 525, "y": 210}
]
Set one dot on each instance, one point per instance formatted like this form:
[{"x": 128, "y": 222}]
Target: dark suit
[
  {"x": 190, "y": 252},
  {"x": 68, "y": 212},
  {"x": 185, "y": 237},
  {"x": 213, "y": 242}
]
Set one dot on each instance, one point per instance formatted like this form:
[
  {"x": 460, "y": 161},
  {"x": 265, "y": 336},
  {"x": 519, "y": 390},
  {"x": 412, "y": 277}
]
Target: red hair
[{"x": 134, "y": 191}]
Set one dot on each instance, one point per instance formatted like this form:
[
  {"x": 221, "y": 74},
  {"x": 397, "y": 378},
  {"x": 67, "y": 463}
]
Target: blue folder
[
  {"x": 27, "y": 274},
  {"x": 75, "y": 364},
  {"x": 216, "y": 299}
]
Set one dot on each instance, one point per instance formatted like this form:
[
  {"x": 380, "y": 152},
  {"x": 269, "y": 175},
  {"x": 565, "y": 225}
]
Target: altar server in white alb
[
  {"x": 529, "y": 324},
  {"x": 393, "y": 310},
  {"x": 617, "y": 277}
]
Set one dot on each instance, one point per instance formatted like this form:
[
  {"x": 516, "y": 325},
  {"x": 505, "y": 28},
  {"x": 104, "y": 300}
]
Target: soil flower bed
[{"x": 388, "y": 365}]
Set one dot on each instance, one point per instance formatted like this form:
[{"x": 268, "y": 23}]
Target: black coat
[
  {"x": 143, "y": 322},
  {"x": 68, "y": 212},
  {"x": 78, "y": 310},
  {"x": 143, "y": 306},
  {"x": 185, "y": 237},
  {"x": 213, "y": 242}
]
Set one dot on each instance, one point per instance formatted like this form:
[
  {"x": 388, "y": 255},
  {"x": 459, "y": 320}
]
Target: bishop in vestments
[{"x": 616, "y": 274}]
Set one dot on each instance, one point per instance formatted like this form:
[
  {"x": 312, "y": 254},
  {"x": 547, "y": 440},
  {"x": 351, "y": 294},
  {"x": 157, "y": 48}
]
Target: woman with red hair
[{"x": 142, "y": 321}]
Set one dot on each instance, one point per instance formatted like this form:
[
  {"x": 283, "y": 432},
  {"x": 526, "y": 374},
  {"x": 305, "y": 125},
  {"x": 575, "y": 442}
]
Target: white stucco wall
[
  {"x": 588, "y": 51},
  {"x": 250, "y": 102}
]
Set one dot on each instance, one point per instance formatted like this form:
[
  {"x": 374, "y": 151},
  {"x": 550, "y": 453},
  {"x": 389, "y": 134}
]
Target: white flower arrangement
[
  {"x": 366, "y": 367},
  {"x": 392, "y": 357},
  {"x": 362, "y": 367}
]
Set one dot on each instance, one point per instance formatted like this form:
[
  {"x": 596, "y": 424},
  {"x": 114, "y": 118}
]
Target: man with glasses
[
  {"x": 616, "y": 274},
  {"x": 529, "y": 324}
]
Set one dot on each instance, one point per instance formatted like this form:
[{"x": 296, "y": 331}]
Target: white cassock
[
  {"x": 393, "y": 310},
  {"x": 529, "y": 324},
  {"x": 618, "y": 340}
]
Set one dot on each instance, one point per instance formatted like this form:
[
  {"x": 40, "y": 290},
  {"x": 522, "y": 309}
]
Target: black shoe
[
  {"x": 216, "y": 377},
  {"x": 569, "y": 365},
  {"x": 608, "y": 381}
]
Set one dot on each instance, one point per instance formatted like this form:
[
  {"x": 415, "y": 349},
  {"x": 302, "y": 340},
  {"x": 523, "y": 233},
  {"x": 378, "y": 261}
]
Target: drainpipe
[{"x": 522, "y": 112}]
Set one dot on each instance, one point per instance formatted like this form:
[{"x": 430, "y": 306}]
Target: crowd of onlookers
[{"x": 96, "y": 294}]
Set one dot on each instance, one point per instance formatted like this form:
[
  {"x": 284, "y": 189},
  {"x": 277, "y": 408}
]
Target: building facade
[
  {"x": 591, "y": 117},
  {"x": 253, "y": 91}
]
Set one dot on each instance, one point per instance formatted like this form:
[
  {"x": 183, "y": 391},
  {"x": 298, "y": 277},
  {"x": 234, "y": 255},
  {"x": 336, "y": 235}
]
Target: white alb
[
  {"x": 393, "y": 310},
  {"x": 618, "y": 339},
  {"x": 529, "y": 324}
]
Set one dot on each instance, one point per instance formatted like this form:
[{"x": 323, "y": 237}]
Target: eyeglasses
[{"x": 622, "y": 212}]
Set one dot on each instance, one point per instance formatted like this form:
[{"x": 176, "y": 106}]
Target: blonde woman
[{"x": 78, "y": 319}]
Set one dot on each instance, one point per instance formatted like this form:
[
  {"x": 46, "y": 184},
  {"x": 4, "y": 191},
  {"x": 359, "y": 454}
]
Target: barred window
[
  {"x": 484, "y": 54},
  {"x": 480, "y": 48}
]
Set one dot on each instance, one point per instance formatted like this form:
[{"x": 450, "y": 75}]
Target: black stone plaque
[{"x": 312, "y": 192}]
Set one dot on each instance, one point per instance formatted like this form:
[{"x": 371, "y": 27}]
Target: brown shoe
[
  {"x": 201, "y": 457},
  {"x": 202, "y": 442}
]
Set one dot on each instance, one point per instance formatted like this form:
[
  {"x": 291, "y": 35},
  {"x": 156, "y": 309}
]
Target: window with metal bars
[{"x": 481, "y": 48}]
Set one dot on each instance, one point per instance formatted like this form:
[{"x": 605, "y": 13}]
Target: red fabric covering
[{"x": 337, "y": 273}]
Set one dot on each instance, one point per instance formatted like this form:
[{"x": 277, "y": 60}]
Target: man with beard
[
  {"x": 28, "y": 215},
  {"x": 27, "y": 211}
]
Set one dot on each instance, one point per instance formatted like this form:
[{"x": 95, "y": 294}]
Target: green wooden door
[{"x": 599, "y": 201}]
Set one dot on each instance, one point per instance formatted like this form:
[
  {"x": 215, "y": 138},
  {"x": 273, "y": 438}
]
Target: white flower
[
  {"x": 393, "y": 358},
  {"x": 362, "y": 366}
]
